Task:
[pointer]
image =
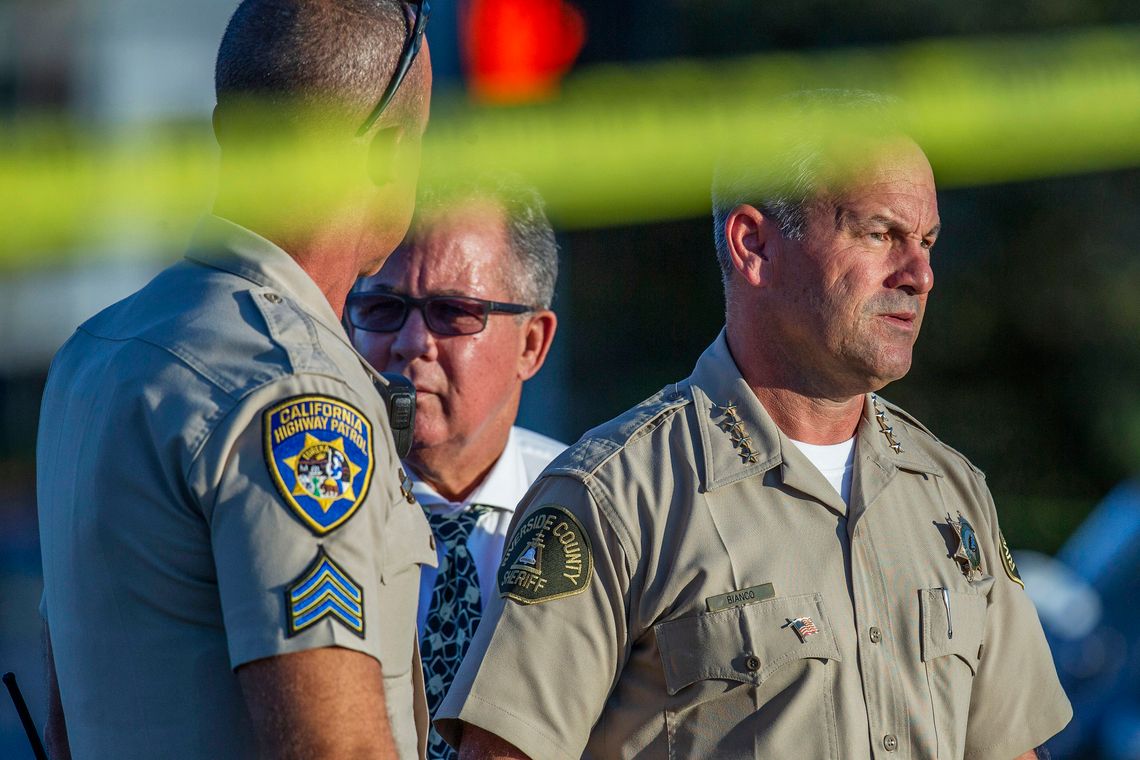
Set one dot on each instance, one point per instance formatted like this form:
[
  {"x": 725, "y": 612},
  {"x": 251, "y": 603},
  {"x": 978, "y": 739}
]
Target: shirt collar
[
  {"x": 502, "y": 488},
  {"x": 755, "y": 445}
]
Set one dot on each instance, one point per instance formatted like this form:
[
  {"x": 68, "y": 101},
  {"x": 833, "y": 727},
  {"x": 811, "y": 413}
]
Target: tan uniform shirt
[
  {"x": 684, "y": 583},
  {"x": 217, "y": 484}
]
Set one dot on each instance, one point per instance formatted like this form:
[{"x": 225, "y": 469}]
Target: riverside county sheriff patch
[
  {"x": 548, "y": 558},
  {"x": 319, "y": 453},
  {"x": 1008, "y": 563}
]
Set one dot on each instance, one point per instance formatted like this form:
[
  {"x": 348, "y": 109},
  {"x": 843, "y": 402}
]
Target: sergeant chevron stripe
[{"x": 324, "y": 590}]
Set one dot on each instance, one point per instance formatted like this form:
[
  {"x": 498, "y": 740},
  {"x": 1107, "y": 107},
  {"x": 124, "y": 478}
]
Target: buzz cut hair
[{"x": 335, "y": 54}]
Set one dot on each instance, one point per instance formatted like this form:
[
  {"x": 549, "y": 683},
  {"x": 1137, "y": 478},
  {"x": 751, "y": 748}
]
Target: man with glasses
[
  {"x": 462, "y": 309},
  {"x": 766, "y": 559},
  {"x": 231, "y": 566}
]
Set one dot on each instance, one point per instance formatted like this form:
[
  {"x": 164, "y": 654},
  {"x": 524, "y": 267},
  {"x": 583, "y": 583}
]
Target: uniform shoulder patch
[
  {"x": 322, "y": 591},
  {"x": 1008, "y": 563},
  {"x": 319, "y": 453},
  {"x": 548, "y": 557}
]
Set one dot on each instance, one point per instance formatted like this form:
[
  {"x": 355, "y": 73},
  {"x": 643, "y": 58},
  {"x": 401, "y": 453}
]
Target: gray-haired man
[{"x": 463, "y": 310}]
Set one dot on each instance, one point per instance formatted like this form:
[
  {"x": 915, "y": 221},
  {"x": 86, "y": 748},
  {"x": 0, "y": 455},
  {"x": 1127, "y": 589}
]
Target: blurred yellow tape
[{"x": 621, "y": 144}]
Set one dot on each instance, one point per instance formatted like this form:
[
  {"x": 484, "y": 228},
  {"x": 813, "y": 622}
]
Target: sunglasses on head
[
  {"x": 444, "y": 315},
  {"x": 420, "y": 12}
]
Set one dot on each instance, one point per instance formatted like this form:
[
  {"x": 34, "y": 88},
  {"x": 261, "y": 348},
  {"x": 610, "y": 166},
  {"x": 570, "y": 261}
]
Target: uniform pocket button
[
  {"x": 752, "y": 662},
  {"x": 890, "y": 742}
]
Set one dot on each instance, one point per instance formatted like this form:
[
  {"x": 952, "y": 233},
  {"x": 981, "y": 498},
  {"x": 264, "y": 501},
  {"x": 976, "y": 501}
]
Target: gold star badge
[{"x": 323, "y": 471}]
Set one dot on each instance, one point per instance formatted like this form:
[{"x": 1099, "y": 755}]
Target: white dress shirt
[{"x": 526, "y": 455}]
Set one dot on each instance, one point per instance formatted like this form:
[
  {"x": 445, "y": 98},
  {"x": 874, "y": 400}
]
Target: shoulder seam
[{"x": 616, "y": 446}]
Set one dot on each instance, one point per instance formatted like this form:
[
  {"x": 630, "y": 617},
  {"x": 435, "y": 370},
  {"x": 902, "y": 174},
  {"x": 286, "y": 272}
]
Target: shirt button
[
  {"x": 876, "y": 635},
  {"x": 272, "y": 298},
  {"x": 752, "y": 662},
  {"x": 890, "y": 742}
]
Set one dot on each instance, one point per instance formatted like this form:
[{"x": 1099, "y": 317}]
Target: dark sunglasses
[
  {"x": 444, "y": 315},
  {"x": 421, "y": 11}
]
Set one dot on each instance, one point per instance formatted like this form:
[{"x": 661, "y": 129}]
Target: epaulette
[
  {"x": 600, "y": 444},
  {"x": 899, "y": 413},
  {"x": 294, "y": 331}
]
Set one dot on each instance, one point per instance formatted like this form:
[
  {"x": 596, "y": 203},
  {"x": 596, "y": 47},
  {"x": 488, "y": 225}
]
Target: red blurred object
[{"x": 516, "y": 51}]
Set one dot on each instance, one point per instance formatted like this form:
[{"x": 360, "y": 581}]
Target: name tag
[{"x": 744, "y": 596}]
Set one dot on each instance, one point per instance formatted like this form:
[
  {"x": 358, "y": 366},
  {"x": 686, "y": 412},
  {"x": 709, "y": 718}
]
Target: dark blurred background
[{"x": 1029, "y": 362}]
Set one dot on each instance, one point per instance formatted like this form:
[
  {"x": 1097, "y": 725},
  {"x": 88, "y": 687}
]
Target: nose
[
  {"x": 912, "y": 274},
  {"x": 414, "y": 340}
]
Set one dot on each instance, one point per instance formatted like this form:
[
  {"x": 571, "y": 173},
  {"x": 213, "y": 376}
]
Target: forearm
[
  {"x": 478, "y": 744},
  {"x": 298, "y": 703}
]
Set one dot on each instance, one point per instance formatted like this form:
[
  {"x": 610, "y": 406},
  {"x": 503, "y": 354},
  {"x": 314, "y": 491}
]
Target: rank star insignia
[
  {"x": 968, "y": 555},
  {"x": 885, "y": 426},
  {"x": 319, "y": 453},
  {"x": 734, "y": 426},
  {"x": 728, "y": 409},
  {"x": 731, "y": 426}
]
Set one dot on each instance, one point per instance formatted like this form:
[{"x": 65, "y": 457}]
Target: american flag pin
[{"x": 804, "y": 627}]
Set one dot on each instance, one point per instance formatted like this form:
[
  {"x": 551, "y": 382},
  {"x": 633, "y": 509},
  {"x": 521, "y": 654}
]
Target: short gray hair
[
  {"x": 781, "y": 185},
  {"x": 529, "y": 231}
]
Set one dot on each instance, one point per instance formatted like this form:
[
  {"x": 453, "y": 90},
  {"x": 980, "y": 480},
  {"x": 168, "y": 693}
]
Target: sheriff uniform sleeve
[
  {"x": 550, "y": 647},
  {"x": 1017, "y": 701}
]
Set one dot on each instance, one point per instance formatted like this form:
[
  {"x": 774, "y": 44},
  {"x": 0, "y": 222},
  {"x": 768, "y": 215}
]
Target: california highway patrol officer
[
  {"x": 768, "y": 560},
  {"x": 218, "y": 487}
]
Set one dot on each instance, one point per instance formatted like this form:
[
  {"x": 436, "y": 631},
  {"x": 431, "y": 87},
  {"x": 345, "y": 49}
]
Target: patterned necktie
[{"x": 453, "y": 616}]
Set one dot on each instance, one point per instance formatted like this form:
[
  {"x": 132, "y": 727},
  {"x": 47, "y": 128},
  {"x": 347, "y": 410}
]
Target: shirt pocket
[
  {"x": 406, "y": 544},
  {"x": 951, "y": 652},
  {"x": 741, "y": 683}
]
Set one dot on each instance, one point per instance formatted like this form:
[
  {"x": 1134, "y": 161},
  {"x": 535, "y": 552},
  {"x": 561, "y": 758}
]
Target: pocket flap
[
  {"x": 745, "y": 644},
  {"x": 959, "y": 633}
]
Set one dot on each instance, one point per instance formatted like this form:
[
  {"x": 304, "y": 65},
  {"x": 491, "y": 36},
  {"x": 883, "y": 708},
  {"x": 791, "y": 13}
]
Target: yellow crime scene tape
[{"x": 619, "y": 145}]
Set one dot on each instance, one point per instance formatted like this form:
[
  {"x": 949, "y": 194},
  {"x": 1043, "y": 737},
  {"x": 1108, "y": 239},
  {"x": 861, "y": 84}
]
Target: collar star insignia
[
  {"x": 884, "y": 426},
  {"x": 734, "y": 426},
  {"x": 731, "y": 426},
  {"x": 729, "y": 409}
]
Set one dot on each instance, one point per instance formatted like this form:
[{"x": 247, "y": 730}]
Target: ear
[
  {"x": 536, "y": 339},
  {"x": 750, "y": 237},
  {"x": 216, "y": 123},
  {"x": 384, "y": 155}
]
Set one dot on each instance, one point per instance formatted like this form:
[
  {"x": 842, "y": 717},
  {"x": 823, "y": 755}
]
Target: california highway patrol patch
[
  {"x": 319, "y": 452},
  {"x": 548, "y": 557},
  {"x": 324, "y": 590}
]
